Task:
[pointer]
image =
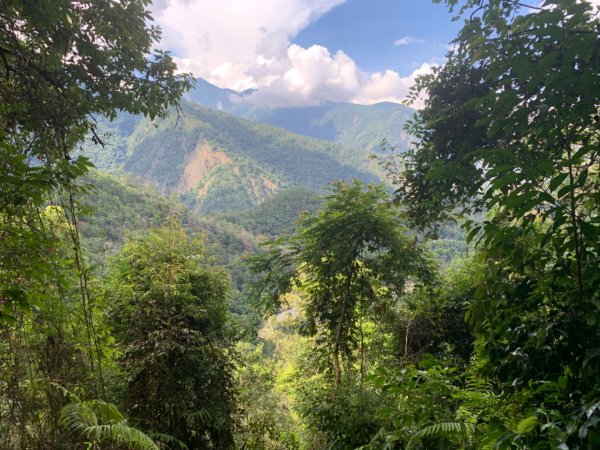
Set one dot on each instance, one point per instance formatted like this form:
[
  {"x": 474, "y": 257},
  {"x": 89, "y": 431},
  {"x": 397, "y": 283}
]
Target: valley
[{"x": 290, "y": 225}]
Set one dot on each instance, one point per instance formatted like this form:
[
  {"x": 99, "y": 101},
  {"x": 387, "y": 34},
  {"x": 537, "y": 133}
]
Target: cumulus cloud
[
  {"x": 235, "y": 43},
  {"x": 389, "y": 86},
  {"x": 241, "y": 44},
  {"x": 314, "y": 75},
  {"x": 407, "y": 40},
  {"x": 311, "y": 76}
]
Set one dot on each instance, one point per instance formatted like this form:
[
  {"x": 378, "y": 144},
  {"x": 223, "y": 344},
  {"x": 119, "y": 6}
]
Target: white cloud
[
  {"x": 311, "y": 76},
  {"x": 235, "y": 43},
  {"x": 407, "y": 40},
  {"x": 242, "y": 44},
  {"x": 389, "y": 86},
  {"x": 314, "y": 75}
]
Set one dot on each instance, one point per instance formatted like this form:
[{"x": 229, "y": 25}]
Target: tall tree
[
  {"x": 511, "y": 125},
  {"x": 61, "y": 63},
  {"x": 169, "y": 315},
  {"x": 353, "y": 261}
]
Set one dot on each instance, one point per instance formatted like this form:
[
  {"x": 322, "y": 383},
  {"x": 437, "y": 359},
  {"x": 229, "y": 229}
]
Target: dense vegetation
[
  {"x": 220, "y": 162},
  {"x": 129, "y": 322},
  {"x": 361, "y": 127}
]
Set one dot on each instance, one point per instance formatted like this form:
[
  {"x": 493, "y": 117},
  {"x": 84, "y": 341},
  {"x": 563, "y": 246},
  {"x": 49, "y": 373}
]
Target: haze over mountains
[
  {"x": 349, "y": 124},
  {"x": 222, "y": 153}
]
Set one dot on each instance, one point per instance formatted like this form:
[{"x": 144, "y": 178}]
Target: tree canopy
[
  {"x": 510, "y": 126},
  {"x": 168, "y": 310},
  {"x": 351, "y": 258},
  {"x": 61, "y": 64}
]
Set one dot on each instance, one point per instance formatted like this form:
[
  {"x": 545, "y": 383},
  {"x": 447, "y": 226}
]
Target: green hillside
[
  {"x": 277, "y": 214},
  {"x": 218, "y": 162},
  {"x": 113, "y": 208},
  {"x": 357, "y": 126},
  {"x": 360, "y": 127}
]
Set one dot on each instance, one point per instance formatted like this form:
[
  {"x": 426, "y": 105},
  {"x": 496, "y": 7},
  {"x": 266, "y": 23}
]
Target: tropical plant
[
  {"x": 353, "y": 262},
  {"x": 61, "y": 63},
  {"x": 510, "y": 125},
  {"x": 169, "y": 317},
  {"x": 100, "y": 422}
]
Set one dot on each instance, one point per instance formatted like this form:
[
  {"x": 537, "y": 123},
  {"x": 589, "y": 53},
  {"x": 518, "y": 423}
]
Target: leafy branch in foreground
[
  {"x": 511, "y": 126},
  {"x": 462, "y": 430}
]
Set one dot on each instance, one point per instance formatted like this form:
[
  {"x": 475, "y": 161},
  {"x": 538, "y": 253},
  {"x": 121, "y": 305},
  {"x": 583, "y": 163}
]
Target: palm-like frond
[
  {"x": 463, "y": 430},
  {"x": 100, "y": 421},
  {"x": 170, "y": 441}
]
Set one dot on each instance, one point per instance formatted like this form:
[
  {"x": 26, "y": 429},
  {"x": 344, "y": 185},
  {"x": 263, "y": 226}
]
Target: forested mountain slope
[
  {"x": 218, "y": 162},
  {"x": 114, "y": 208},
  {"x": 357, "y": 126},
  {"x": 277, "y": 214}
]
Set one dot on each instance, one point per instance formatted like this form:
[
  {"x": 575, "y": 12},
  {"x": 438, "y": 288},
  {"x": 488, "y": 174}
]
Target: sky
[{"x": 305, "y": 52}]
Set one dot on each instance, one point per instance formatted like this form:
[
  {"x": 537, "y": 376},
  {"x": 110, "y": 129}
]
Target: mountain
[
  {"x": 212, "y": 96},
  {"x": 219, "y": 162},
  {"x": 115, "y": 207},
  {"x": 355, "y": 126},
  {"x": 276, "y": 215}
]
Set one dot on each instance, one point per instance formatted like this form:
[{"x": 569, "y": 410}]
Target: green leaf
[
  {"x": 557, "y": 181},
  {"x": 591, "y": 355},
  {"x": 527, "y": 425},
  {"x": 589, "y": 231}
]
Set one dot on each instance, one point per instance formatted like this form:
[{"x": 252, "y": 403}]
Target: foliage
[
  {"x": 428, "y": 405},
  {"x": 511, "y": 121},
  {"x": 352, "y": 260},
  {"x": 111, "y": 208},
  {"x": 49, "y": 343},
  {"x": 169, "y": 317},
  {"x": 510, "y": 125},
  {"x": 351, "y": 263},
  {"x": 100, "y": 422},
  {"x": 60, "y": 63},
  {"x": 266, "y": 420},
  {"x": 345, "y": 421}
]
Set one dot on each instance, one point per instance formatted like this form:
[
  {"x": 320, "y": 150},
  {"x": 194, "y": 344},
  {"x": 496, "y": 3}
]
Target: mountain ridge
[
  {"x": 220, "y": 162},
  {"x": 353, "y": 125}
]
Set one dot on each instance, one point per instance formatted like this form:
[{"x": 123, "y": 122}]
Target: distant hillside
[
  {"x": 218, "y": 162},
  {"x": 277, "y": 214},
  {"x": 114, "y": 208},
  {"x": 356, "y": 126}
]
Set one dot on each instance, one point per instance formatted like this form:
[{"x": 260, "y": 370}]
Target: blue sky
[
  {"x": 304, "y": 52},
  {"x": 367, "y": 30}
]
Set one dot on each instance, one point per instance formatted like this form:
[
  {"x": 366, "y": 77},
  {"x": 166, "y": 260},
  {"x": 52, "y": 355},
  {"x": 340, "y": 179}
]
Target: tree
[
  {"x": 352, "y": 260},
  {"x": 511, "y": 126},
  {"x": 511, "y": 120},
  {"x": 169, "y": 316},
  {"x": 61, "y": 64}
]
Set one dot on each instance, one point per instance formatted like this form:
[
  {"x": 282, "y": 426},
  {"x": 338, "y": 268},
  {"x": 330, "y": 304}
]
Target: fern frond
[
  {"x": 201, "y": 414},
  {"x": 100, "y": 421},
  {"x": 77, "y": 416},
  {"x": 463, "y": 430},
  {"x": 121, "y": 433},
  {"x": 59, "y": 387},
  {"x": 171, "y": 441}
]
